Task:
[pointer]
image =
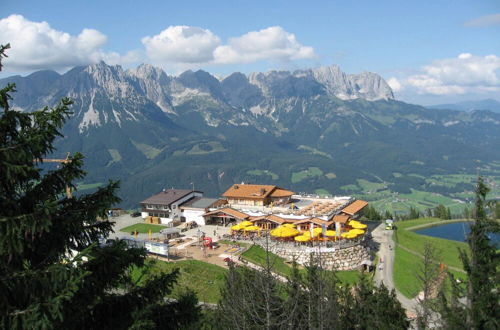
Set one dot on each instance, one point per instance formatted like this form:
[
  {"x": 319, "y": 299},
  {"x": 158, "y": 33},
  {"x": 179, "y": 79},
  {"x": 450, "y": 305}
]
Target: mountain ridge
[{"x": 152, "y": 130}]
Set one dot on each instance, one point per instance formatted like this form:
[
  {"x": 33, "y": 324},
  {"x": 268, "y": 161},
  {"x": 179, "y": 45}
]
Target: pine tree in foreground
[
  {"x": 53, "y": 274},
  {"x": 476, "y": 305},
  {"x": 310, "y": 299}
]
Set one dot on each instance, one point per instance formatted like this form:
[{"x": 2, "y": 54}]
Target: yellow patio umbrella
[
  {"x": 245, "y": 223},
  {"x": 348, "y": 235},
  {"x": 236, "y": 227},
  {"x": 331, "y": 233},
  {"x": 284, "y": 232},
  {"x": 251, "y": 228},
  {"x": 357, "y": 231},
  {"x": 316, "y": 232},
  {"x": 353, "y": 222},
  {"x": 302, "y": 238},
  {"x": 290, "y": 225},
  {"x": 358, "y": 226}
]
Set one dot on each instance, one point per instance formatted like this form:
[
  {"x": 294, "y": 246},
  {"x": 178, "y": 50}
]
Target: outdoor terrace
[{"x": 300, "y": 207}]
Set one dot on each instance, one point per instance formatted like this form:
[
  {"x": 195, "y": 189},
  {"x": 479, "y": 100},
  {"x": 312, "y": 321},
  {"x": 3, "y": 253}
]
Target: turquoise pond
[{"x": 456, "y": 231}]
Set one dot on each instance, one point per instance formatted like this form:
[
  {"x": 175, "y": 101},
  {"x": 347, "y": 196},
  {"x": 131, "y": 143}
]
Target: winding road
[{"x": 384, "y": 273}]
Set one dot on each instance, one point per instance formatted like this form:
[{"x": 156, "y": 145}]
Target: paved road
[{"x": 386, "y": 255}]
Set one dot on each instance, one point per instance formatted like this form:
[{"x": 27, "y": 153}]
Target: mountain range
[
  {"x": 487, "y": 104},
  {"x": 307, "y": 130}
]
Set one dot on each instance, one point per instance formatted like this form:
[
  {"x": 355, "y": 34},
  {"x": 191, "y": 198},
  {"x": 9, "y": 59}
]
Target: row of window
[
  {"x": 159, "y": 207},
  {"x": 160, "y": 215}
]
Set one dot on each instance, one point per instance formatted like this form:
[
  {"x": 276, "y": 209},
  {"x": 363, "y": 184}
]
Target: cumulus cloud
[
  {"x": 273, "y": 43},
  {"x": 36, "y": 45},
  {"x": 463, "y": 74},
  {"x": 193, "y": 45},
  {"x": 394, "y": 84},
  {"x": 484, "y": 21},
  {"x": 182, "y": 44}
]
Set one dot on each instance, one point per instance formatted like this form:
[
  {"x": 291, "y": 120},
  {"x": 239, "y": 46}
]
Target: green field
[
  {"x": 115, "y": 156},
  {"x": 454, "y": 191},
  {"x": 331, "y": 175},
  {"x": 311, "y": 172},
  {"x": 203, "y": 278},
  {"x": 274, "y": 176},
  {"x": 314, "y": 151},
  {"x": 401, "y": 203},
  {"x": 206, "y": 148},
  {"x": 257, "y": 255},
  {"x": 447, "y": 249},
  {"x": 148, "y": 151},
  {"x": 143, "y": 228},
  {"x": 407, "y": 265},
  {"x": 322, "y": 192}
]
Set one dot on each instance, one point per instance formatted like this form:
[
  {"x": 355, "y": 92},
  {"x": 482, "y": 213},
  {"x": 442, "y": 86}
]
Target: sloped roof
[
  {"x": 316, "y": 221},
  {"x": 342, "y": 218},
  {"x": 276, "y": 218},
  {"x": 230, "y": 211},
  {"x": 249, "y": 191},
  {"x": 355, "y": 207},
  {"x": 280, "y": 192},
  {"x": 168, "y": 196}
]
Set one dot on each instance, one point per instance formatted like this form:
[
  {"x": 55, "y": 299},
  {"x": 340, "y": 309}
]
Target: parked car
[{"x": 135, "y": 214}]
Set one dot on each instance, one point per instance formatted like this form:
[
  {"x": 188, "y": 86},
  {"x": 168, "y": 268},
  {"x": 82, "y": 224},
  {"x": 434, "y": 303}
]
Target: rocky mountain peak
[
  {"x": 329, "y": 79},
  {"x": 147, "y": 71}
]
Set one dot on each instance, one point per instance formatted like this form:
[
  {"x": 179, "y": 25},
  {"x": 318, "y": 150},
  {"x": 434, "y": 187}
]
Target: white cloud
[
  {"x": 463, "y": 74},
  {"x": 36, "y": 45},
  {"x": 273, "y": 43},
  {"x": 181, "y": 45},
  {"x": 484, "y": 21},
  {"x": 394, "y": 84}
]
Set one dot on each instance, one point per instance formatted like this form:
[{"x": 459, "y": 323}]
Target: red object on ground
[{"x": 207, "y": 241}]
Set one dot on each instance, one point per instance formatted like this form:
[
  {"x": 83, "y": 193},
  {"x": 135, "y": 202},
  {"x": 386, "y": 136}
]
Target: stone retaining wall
[{"x": 336, "y": 259}]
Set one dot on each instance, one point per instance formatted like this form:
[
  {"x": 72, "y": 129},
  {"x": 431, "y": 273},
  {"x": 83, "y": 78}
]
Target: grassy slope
[
  {"x": 406, "y": 265},
  {"x": 203, "y": 278},
  {"x": 143, "y": 228}
]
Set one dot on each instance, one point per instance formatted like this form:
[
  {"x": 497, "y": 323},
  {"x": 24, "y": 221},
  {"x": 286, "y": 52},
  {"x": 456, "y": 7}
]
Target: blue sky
[{"x": 429, "y": 51}]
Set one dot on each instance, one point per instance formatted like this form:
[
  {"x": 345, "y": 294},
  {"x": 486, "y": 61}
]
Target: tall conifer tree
[
  {"x": 476, "y": 307},
  {"x": 53, "y": 274}
]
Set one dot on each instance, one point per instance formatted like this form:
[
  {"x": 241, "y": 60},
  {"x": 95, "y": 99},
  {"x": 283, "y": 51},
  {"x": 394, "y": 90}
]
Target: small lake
[{"x": 455, "y": 231}]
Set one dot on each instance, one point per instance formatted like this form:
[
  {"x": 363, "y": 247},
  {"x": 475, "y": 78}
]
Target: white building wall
[
  {"x": 177, "y": 211},
  {"x": 165, "y": 221},
  {"x": 194, "y": 215},
  {"x": 144, "y": 215}
]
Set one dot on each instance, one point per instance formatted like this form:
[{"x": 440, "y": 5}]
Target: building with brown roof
[
  {"x": 225, "y": 216},
  {"x": 269, "y": 222},
  {"x": 355, "y": 208},
  {"x": 257, "y": 195}
]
